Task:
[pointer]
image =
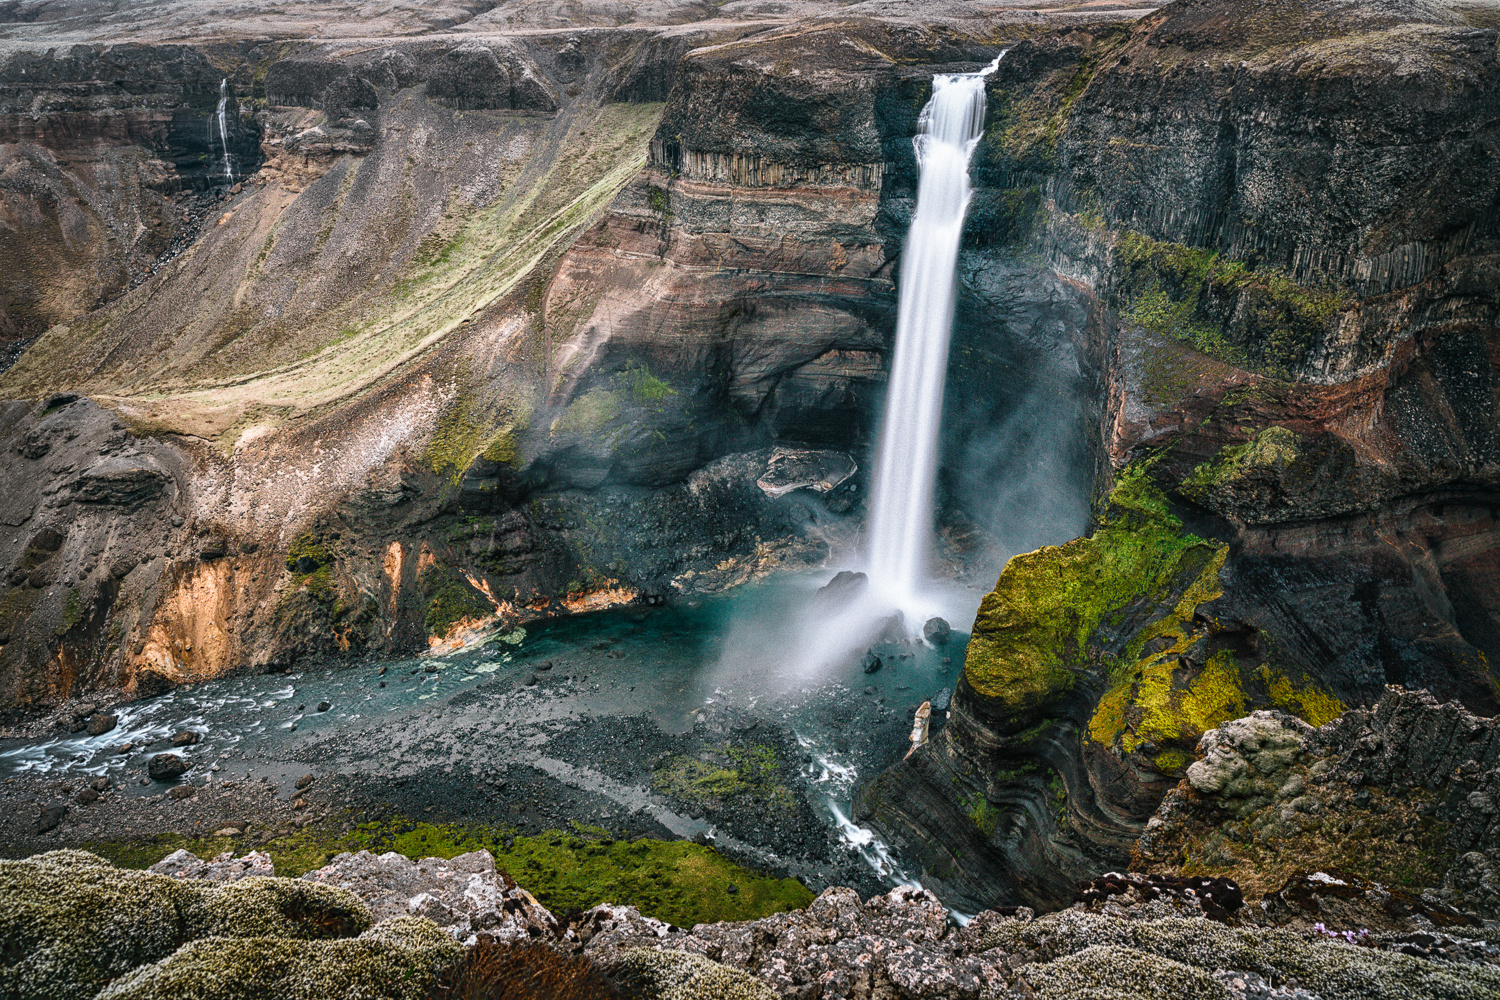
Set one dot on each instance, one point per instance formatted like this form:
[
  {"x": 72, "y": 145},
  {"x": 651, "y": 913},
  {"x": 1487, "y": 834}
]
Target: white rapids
[{"x": 901, "y": 514}]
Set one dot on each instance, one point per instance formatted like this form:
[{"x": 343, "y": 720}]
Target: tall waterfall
[
  {"x": 223, "y": 121},
  {"x": 901, "y": 515}
]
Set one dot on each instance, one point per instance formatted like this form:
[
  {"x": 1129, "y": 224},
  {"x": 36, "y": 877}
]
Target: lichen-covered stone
[
  {"x": 466, "y": 895},
  {"x": 678, "y": 975},
  {"x": 72, "y": 922},
  {"x": 1109, "y": 972},
  {"x": 1393, "y": 804},
  {"x": 1333, "y": 970},
  {"x": 265, "y": 906},
  {"x": 75, "y": 922},
  {"x": 396, "y": 960}
]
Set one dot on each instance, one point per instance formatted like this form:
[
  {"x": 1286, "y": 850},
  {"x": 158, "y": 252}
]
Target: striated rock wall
[
  {"x": 1298, "y": 345},
  {"x": 496, "y": 324}
]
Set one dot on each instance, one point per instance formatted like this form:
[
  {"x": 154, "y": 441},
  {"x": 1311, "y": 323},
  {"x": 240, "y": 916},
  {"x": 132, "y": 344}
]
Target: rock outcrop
[
  {"x": 1298, "y": 467},
  {"x": 1152, "y": 938},
  {"x": 1400, "y": 794}
]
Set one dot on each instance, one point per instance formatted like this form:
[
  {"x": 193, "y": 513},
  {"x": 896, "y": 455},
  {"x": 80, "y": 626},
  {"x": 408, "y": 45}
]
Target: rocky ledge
[{"x": 1367, "y": 850}]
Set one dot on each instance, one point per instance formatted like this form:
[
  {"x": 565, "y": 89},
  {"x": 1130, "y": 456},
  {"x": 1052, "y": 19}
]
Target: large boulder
[
  {"x": 72, "y": 922},
  {"x": 466, "y": 895},
  {"x": 396, "y": 960}
]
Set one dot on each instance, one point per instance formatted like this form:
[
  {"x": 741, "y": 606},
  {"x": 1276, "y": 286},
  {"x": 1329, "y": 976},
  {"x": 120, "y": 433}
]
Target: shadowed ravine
[{"x": 630, "y": 463}]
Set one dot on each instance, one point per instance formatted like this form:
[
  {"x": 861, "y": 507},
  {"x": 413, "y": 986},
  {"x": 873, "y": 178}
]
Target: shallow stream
[{"x": 532, "y": 696}]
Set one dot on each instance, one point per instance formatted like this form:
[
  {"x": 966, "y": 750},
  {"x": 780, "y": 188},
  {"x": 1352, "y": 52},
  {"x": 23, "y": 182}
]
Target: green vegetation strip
[
  {"x": 673, "y": 880},
  {"x": 1033, "y": 627}
]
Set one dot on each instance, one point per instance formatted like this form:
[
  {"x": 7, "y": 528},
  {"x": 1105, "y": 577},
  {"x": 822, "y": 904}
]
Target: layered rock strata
[
  {"x": 497, "y": 323},
  {"x": 1298, "y": 345}
]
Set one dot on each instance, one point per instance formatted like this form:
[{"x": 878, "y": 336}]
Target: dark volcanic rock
[
  {"x": 100, "y": 723},
  {"x": 937, "y": 631},
  {"x": 166, "y": 767}
]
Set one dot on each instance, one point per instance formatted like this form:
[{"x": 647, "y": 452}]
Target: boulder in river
[
  {"x": 843, "y": 589},
  {"x": 166, "y": 767},
  {"x": 186, "y": 738},
  {"x": 872, "y": 663},
  {"x": 99, "y": 723},
  {"x": 937, "y": 631}
]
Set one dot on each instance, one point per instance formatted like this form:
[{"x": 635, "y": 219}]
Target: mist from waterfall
[
  {"x": 222, "y": 117},
  {"x": 899, "y": 537}
]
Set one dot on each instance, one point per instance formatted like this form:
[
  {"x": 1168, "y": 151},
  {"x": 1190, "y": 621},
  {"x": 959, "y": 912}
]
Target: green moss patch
[
  {"x": 673, "y": 880},
  {"x": 1272, "y": 449},
  {"x": 739, "y": 778},
  {"x": 451, "y": 600},
  {"x": 1032, "y": 633},
  {"x": 1252, "y": 317}
]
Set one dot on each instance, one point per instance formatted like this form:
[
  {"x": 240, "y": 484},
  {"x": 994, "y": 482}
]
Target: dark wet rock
[
  {"x": 186, "y": 738},
  {"x": 324, "y": 706},
  {"x": 86, "y": 796},
  {"x": 846, "y": 586},
  {"x": 49, "y": 815},
  {"x": 795, "y": 469},
  {"x": 937, "y": 631},
  {"x": 1214, "y": 898},
  {"x": 166, "y": 767},
  {"x": 872, "y": 663},
  {"x": 180, "y": 792},
  {"x": 100, "y": 783},
  {"x": 304, "y": 781}
]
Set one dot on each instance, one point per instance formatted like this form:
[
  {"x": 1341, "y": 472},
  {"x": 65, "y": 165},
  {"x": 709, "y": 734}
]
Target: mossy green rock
[
  {"x": 396, "y": 960},
  {"x": 1032, "y": 630},
  {"x": 72, "y": 922},
  {"x": 264, "y": 906},
  {"x": 1109, "y": 972}
]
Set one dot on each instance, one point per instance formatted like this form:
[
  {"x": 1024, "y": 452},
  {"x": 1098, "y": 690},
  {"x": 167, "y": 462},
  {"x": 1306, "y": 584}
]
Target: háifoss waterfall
[{"x": 901, "y": 514}]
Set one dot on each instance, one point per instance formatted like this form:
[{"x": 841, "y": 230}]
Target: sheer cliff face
[
  {"x": 509, "y": 321},
  {"x": 490, "y": 322},
  {"x": 1292, "y": 226}
]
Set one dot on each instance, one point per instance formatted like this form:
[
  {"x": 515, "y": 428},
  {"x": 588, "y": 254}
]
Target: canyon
[{"x": 467, "y": 316}]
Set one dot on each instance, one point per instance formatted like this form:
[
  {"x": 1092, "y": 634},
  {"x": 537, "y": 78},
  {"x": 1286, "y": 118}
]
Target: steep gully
[{"x": 1296, "y": 367}]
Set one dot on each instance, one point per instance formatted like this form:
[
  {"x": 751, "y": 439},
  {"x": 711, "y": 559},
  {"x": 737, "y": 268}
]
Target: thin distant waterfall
[
  {"x": 223, "y": 122},
  {"x": 901, "y": 516}
]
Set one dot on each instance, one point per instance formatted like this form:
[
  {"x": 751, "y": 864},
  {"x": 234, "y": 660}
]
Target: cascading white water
[
  {"x": 222, "y": 117},
  {"x": 899, "y": 536}
]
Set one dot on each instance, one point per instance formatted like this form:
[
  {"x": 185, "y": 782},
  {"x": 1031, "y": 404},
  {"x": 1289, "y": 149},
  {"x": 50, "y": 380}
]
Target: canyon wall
[
  {"x": 497, "y": 320},
  {"x": 1290, "y": 222},
  {"x": 491, "y": 322}
]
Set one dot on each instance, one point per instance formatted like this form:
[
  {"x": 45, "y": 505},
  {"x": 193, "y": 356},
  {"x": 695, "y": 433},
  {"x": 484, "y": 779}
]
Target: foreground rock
[
  {"x": 466, "y": 896},
  {"x": 311, "y": 937},
  {"x": 73, "y": 922},
  {"x": 1402, "y": 793}
]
